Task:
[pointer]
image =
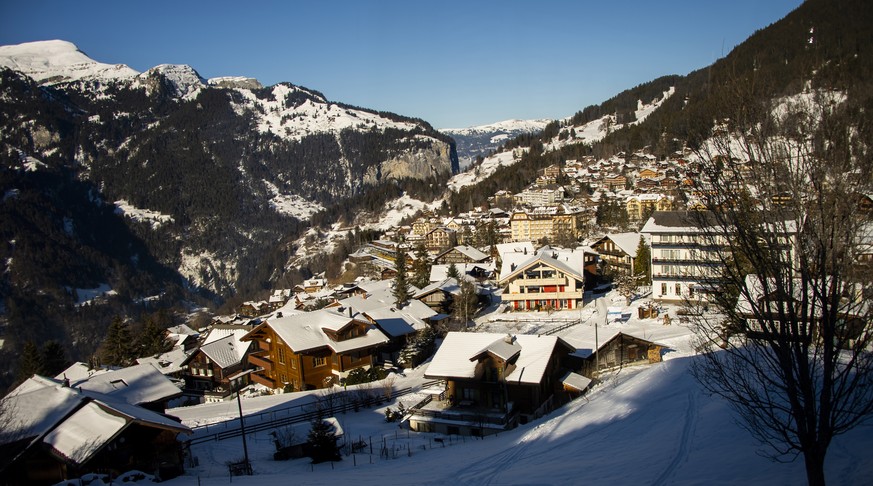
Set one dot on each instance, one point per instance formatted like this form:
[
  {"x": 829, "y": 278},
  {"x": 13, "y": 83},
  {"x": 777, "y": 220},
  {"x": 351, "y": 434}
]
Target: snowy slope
[
  {"x": 596, "y": 130},
  {"x": 644, "y": 425},
  {"x": 514, "y": 125},
  {"x": 314, "y": 114},
  {"x": 57, "y": 61},
  {"x": 482, "y": 140}
]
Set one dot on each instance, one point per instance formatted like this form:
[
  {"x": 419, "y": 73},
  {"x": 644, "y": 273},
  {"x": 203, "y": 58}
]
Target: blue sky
[{"x": 452, "y": 63}]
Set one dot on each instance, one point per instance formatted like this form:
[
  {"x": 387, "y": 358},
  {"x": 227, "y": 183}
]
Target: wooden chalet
[
  {"x": 440, "y": 296},
  {"x": 61, "y": 432},
  {"x": 618, "y": 348},
  {"x": 548, "y": 279},
  {"x": 216, "y": 367},
  {"x": 493, "y": 382},
  {"x": 619, "y": 250},
  {"x": 460, "y": 254},
  {"x": 308, "y": 350}
]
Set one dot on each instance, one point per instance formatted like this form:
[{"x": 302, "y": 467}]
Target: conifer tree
[
  {"x": 153, "y": 339},
  {"x": 32, "y": 362},
  {"x": 54, "y": 358},
  {"x": 421, "y": 267},
  {"x": 453, "y": 272},
  {"x": 322, "y": 441},
  {"x": 401, "y": 289},
  {"x": 643, "y": 263},
  {"x": 117, "y": 348}
]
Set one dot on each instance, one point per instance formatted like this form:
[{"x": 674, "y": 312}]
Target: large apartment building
[{"x": 684, "y": 263}]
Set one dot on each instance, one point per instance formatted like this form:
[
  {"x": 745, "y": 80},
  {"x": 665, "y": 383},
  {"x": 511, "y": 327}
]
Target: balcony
[
  {"x": 542, "y": 296},
  {"x": 543, "y": 281},
  {"x": 262, "y": 359},
  {"x": 465, "y": 411},
  {"x": 685, "y": 261},
  {"x": 264, "y": 380}
]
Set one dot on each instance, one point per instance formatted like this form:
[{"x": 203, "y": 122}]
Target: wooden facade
[
  {"x": 622, "y": 349},
  {"x": 496, "y": 394},
  {"x": 280, "y": 366}
]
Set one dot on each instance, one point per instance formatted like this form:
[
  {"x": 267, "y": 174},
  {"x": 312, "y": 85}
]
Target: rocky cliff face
[{"x": 436, "y": 161}]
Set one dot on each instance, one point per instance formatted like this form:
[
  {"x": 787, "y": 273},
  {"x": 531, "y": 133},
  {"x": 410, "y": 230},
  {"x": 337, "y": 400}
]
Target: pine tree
[
  {"x": 643, "y": 263},
  {"x": 32, "y": 362},
  {"x": 453, "y": 272},
  {"x": 153, "y": 339},
  {"x": 117, "y": 348},
  {"x": 322, "y": 441},
  {"x": 421, "y": 267},
  {"x": 401, "y": 289},
  {"x": 54, "y": 358}
]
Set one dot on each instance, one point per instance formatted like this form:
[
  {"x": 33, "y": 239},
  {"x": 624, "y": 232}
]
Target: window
[
  {"x": 282, "y": 355},
  {"x": 293, "y": 363},
  {"x": 678, "y": 288},
  {"x": 663, "y": 288},
  {"x": 316, "y": 362}
]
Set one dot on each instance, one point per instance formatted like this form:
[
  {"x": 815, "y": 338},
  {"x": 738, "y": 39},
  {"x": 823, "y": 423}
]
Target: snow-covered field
[{"x": 648, "y": 424}]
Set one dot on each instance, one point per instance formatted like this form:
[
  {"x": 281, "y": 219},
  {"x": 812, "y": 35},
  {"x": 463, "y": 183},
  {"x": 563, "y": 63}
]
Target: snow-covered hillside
[
  {"x": 596, "y": 130},
  {"x": 483, "y": 139},
  {"x": 514, "y": 125},
  {"x": 650, "y": 424},
  {"x": 58, "y": 61}
]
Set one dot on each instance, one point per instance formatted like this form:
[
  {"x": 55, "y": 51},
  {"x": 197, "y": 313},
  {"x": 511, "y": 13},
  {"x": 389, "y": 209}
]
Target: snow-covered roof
[
  {"x": 305, "y": 331},
  {"x": 182, "y": 329},
  {"x": 449, "y": 285},
  {"x": 505, "y": 349},
  {"x": 470, "y": 252},
  {"x": 138, "y": 384},
  {"x": 576, "y": 381},
  {"x": 167, "y": 363},
  {"x": 227, "y": 351},
  {"x": 85, "y": 432},
  {"x": 34, "y": 407},
  {"x": 75, "y": 423},
  {"x": 628, "y": 242},
  {"x": 453, "y": 358},
  {"x": 585, "y": 339},
  {"x": 571, "y": 262},
  {"x": 394, "y": 320}
]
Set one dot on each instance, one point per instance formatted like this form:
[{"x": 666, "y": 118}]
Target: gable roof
[
  {"x": 468, "y": 251},
  {"x": 584, "y": 339},
  {"x": 455, "y": 357},
  {"x": 224, "y": 352},
  {"x": 74, "y": 423},
  {"x": 569, "y": 262},
  {"x": 138, "y": 384},
  {"x": 304, "y": 331},
  {"x": 627, "y": 242},
  {"x": 449, "y": 285},
  {"x": 505, "y": 349},
  {"x": 395, "y": 321}
]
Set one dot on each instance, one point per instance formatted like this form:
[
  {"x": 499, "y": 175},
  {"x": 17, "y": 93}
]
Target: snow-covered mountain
[
  {"x": 294, "y": 150},
  {"x": 56, "y": 61},
  {"x": 212, "y": 178},
  {"x": 483, "y": 139}
]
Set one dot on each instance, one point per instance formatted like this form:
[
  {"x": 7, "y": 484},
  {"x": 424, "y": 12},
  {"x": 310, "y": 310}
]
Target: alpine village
[{"x": 206, "y": 280}]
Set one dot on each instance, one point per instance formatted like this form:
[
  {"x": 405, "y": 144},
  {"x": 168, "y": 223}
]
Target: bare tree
[{"x": 790, "y": 347}]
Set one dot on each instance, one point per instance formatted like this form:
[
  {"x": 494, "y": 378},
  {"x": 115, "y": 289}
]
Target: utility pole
[{"x": 242, "y": 428}]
